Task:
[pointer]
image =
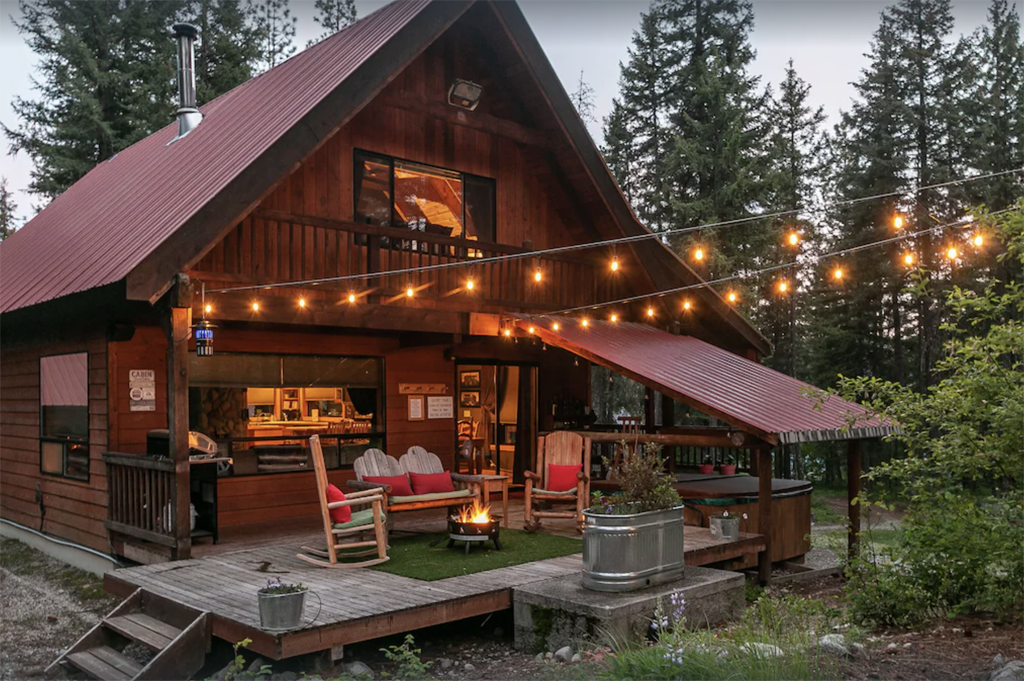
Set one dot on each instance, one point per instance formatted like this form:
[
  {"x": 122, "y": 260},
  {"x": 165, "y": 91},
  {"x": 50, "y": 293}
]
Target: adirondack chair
[
  {"x": 561, "y": 448},
  {"x": 375, "y": 463},
  {"x": 342, "y": 538}
]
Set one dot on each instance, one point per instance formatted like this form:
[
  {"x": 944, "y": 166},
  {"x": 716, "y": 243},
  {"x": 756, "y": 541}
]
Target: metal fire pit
[{"x": 470, "y": 533}]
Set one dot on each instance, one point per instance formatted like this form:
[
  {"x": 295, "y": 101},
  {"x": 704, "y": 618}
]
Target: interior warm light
[
  {"x": 209, "y": 309},
  {"x": 650, "y": 312},
  {"x": 978, "y": 241},
  {"x": 470, "y": 284},
  {"x": 897, "y": 222},
  {"x": 698, "y": 254},
  {"x": 615, "y": 264},
  {"x": 793, "y": 238},
  {"x": 302, "y": 302},
  {"x": 555, "y": 326},
  {"x": 732, "y": 296},
  {"x": 952, "y": 253},
  {"x": 614, "y": 317},
  {"x": 538, "y": 275},
  {"x": 908, "y": 259},
  {"x": 410, "y": 291},
  {"x": 255, "y": 307},
  {"x": 686, "y": 305},
  {"x": 351, "y": 297},
  {"x": 837, "y": 273}
]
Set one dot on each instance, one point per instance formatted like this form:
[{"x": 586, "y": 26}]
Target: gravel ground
[{"x": 44, "y": 607}]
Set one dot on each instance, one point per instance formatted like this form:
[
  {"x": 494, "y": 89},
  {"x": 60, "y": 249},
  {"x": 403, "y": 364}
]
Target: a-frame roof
[{"x": 150, "y": 211}]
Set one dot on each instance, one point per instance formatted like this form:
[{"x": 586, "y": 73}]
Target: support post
[
  {"x": 764, "y": 513},
  {"x": 649, "y": 425},
  {"x": 177, "y": 330},
  {"x": 853, "y": 495},
  {"x": 668, "y": 420}
]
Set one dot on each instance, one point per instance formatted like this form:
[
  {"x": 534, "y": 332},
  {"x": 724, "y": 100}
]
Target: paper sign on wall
[
  {"x": 142, "y": 390},
  {"x": 441, "y": 407}
]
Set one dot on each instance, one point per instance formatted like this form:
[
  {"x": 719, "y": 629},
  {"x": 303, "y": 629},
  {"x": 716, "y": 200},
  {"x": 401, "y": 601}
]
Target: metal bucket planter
[
  {"x": 281, "y": 612},
  {"x": 726, "y": 527},
  {"x": 632, "y": 551}
]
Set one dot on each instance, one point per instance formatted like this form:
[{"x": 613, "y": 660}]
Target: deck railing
[{"x": 140, "y": 497}]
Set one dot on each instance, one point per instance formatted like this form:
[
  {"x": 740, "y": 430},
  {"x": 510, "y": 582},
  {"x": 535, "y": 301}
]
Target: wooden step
[
  {"x": 144, "y": 629},
  {"x": 103, "y": 662}
]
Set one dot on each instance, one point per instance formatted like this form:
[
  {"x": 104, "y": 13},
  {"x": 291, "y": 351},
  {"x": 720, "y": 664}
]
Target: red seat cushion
[
  {"x": 562, "y": 478},
  {"x": 399, "y": 484},
  {"x": 342, "y": 514},
  {"x": 431, "y": 483}
]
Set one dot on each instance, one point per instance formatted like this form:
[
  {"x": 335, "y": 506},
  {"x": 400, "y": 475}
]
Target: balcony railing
[{"x": 140, "y": 497}]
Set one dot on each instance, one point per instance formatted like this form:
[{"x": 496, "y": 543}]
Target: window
[
  {"x": 64, "y": 415},
  {"x": 262, "y": 409},
  {"x": 426, "y": 198}
]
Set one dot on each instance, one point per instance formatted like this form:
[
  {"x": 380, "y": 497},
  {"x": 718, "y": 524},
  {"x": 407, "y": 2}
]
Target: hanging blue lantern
[{"x": 203, "y": 333}]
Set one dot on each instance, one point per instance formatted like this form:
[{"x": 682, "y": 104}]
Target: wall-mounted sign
[
  {"x": 422, "y": 388},
  {"x": 415, "y": 407},
  {"x": 141, "y": 390},
  {"x": 441, "y": 407}
]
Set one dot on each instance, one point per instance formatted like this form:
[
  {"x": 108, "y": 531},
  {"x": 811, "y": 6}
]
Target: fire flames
[{"x": 477, "y": 513}]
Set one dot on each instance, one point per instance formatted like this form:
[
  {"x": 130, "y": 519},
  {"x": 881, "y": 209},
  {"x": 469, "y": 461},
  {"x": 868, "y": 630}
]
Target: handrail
[{"x": 141, "y": 493}]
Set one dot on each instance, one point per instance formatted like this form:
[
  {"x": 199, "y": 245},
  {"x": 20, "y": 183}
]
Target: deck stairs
[{"x": 177, "y": 638}]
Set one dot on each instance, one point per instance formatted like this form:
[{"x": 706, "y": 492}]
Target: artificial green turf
[{"x": 412, "y": 556}]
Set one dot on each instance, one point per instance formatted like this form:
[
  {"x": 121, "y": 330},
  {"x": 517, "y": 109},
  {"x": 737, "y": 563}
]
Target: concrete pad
[{"x": 560, "y": 612}]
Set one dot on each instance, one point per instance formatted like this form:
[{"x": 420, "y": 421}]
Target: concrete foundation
[{"x": 560, "y": 612}]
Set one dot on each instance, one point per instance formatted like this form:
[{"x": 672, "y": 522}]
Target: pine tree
[
  {"x": 8, "y": 211},
  {"x": 227, "y": 49},
  {"x": 275, "y": 29},
  {"x": 619, "y": 151},
  {"x": 106, "y": 80},
  {"x": 333, "y": 15},
  {"x": 583, "y": 99}
]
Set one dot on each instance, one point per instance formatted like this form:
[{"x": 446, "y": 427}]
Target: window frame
[
  {"x": 65, "y": 441},
  {"x": 360, "y": 155}
]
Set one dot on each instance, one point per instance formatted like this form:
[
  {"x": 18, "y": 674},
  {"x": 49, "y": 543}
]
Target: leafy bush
[
  {"x": 406, "y": 658},
  {"x": 641, "y": 476}
]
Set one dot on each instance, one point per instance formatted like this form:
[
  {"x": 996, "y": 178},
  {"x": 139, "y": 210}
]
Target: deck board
[{"x": 357, "y": 604}]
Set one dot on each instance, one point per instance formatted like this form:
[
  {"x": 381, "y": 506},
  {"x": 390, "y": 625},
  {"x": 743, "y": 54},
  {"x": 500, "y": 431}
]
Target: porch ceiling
[{"x": 745, "y": 394}]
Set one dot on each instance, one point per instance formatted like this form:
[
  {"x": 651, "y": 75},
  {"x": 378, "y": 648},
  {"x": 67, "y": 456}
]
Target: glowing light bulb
[
  {"x": 585, "y": 322},
  {"x": 908, "y": 259},
  {"x": 783, "y": 286},
  {"x": 351, "y": 297},
  {"x": 650, "y": 312},
  {"x": 837, "y": 273},
  {"x": 470, "y": 284},
  {"x": 793, "y": 238},
  {"x": 507, "y": 332},
  {"x": 410, "y": 291},
  {"x": 897, "y": 222},
  {"x": 952, "y": 253},
  {"x": 978, "y": 241},
  {"x": 255, "y": 307},
  {"x": 614, "y": 317},
  {"x": 615, "y": 264},
  {"x": 530, "y": 330},
  {"x": 538, "y": 275},
  {"x": 209, "y": 309},
  {"x": 302, "y": 302},
  {"x": 686, "y": 305},
  {"x": 698, "y": 254},
  {"x": 555, "y": 326},
  {"x": 732, "y": 296}
]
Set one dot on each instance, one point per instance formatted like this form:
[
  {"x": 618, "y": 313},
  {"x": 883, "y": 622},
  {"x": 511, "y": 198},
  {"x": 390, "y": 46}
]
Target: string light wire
[{"x": 606, "y": 242}]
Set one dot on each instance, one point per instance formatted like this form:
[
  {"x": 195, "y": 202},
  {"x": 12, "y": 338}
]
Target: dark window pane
[
  {"x": 479, "y": 193},
  {"x": 373, "y": 190},
  {"x": 239, "y": 370},
  {"x": 69, "y": 422},
  {"x": 428, "y": 199},
  {"x": 77, "y": 461}
]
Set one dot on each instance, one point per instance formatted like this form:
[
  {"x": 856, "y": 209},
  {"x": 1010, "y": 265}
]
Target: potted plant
[
  {"x": 726, "y": 526},
  {"x": 707, "y": 467},
  {"x": 281, "y": 605},
  {"x": 634, "y": 538},
  {"x": 728, "y": 465}
]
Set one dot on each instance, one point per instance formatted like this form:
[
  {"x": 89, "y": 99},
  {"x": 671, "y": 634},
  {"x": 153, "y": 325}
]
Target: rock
[
  {"x": 540, "y": 658},
  {"x": 563, "y": 654},
  {"x": 498, "y": 632},
  {"x": 469, "y": 667},
  {"x": 255, "y": 665},
  {"x": 763, "y": 650},
  {"x": 575, "y": 658},
  {"x": 548, "y": 655},
  {"x": 834, "y": 644},
  {"x": 285, "y": 676},
  {"x": 1011, "y": 671},
  {"x": 445, "y": 663},
  {"x": 998, "y": 660},
  {"x": 891, "y": 646},
  {"x": 859, "y": 649},
  {"x": 357, "y": 669},
  {"x": 223, "y": 673}
]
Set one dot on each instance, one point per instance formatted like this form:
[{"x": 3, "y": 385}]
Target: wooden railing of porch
[{"x": 141, "y": 499}]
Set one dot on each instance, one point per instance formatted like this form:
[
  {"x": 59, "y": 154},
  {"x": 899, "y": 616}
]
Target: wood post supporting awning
[{"x": 766, "y": 407}]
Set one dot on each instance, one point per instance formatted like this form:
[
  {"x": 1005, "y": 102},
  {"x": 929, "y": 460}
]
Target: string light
[
  {"x": 614, "y": 318},
  {"x": 208, "y": 309},
  {"x": 908, "y": 259},
  {"x": 507, "y": 332},
  {"x": 351, "y": 297},
  {"x": 897, "y": 221},
  {"x": 255, "y": 307},
  {"x": 837, "y": 273},
  {"x": 698, "y": 254},
  {"x": 555, "y": 326},
  {"x": 793, "y": 238},
  {"x": 302, "y": 302},
  {"x": 952, "y": 253},
  {"x": 530, "y": 330},
  {"x": 978, "y": 240},
  {"x": 410, "y": 291},
  {"x": 783, "y": 286},
  {"x": 687, "y": 305},
  {"x": 538, "y": 275},
  {"x": 585, "y": 322},
  {"x": 650, "y": 311},
  {"x": 733, "y": 297},
  {"x": 470, "y": 284},
  {"x": 615, "y": 263}
]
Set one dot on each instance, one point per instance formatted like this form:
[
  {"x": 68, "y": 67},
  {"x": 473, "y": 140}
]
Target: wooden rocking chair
[
  {"x": 561, "y": 448},
  {"x": 344, "y": 537}
]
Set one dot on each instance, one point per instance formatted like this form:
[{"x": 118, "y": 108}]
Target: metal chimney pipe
[{"x": 188, "y": 115}]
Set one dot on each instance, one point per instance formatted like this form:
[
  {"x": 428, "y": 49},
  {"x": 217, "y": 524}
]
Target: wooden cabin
[{"x": 297, "y": 217}]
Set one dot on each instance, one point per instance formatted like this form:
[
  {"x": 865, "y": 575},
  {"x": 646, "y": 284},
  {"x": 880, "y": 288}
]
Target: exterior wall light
[{"x": 464, "y": 94}]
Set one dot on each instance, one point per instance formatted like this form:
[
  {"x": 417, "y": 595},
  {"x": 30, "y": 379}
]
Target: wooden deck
[{"x": 358, "y": 604}]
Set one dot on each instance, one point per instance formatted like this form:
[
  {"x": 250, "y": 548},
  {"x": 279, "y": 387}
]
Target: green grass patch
[
  {"x": 415, "y": 557},
  {"x": 823, "y": 513},
  {"x": 24, "y": 560}
]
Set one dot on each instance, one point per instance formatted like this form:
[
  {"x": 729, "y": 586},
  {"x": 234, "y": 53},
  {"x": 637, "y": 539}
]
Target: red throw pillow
[
  {"x": 431, "y": 483},
  {"x": 399, "y": 484},
  {"x": 562, "y": 478},
  {"x": 342, "y": 514}
]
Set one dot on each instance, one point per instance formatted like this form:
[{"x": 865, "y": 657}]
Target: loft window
[
  {"x": 64, "y": 415},
  {"x": 426, "y": 198}
]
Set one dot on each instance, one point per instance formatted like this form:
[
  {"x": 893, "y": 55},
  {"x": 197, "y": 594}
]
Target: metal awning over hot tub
[{"x": 747, "y": 395}]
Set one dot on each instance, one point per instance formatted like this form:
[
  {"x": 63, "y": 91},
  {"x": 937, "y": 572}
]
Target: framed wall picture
[
  {"x": 416, "y": 407},
  {"x": 469, "y": 379},
  {"x": 469, "y": 398}
]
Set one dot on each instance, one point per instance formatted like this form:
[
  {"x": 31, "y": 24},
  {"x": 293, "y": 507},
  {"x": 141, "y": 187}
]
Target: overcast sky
[{"x": 826, "y": 39}]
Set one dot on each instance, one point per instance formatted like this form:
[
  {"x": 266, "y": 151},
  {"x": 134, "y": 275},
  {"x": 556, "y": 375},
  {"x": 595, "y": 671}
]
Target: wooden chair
[
  {"x": 343, "y": 538},
  {"x": 374, "y": 463},
  {"x": 561, "y": 448}
]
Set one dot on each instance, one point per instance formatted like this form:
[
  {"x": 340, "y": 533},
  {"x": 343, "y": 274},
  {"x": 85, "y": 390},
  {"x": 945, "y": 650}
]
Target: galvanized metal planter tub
[
  {"x": 634, "y": 551},
  {"x": 281, "y": 612}
]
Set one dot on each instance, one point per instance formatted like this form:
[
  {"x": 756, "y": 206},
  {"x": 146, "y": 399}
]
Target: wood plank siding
[{"x": 59, "y": 506}]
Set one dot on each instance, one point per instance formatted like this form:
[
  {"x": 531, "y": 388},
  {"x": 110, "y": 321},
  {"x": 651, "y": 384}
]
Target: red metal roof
[
  {"x": 109, "y": 221},
  {"x": 743, "y": 393}
]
